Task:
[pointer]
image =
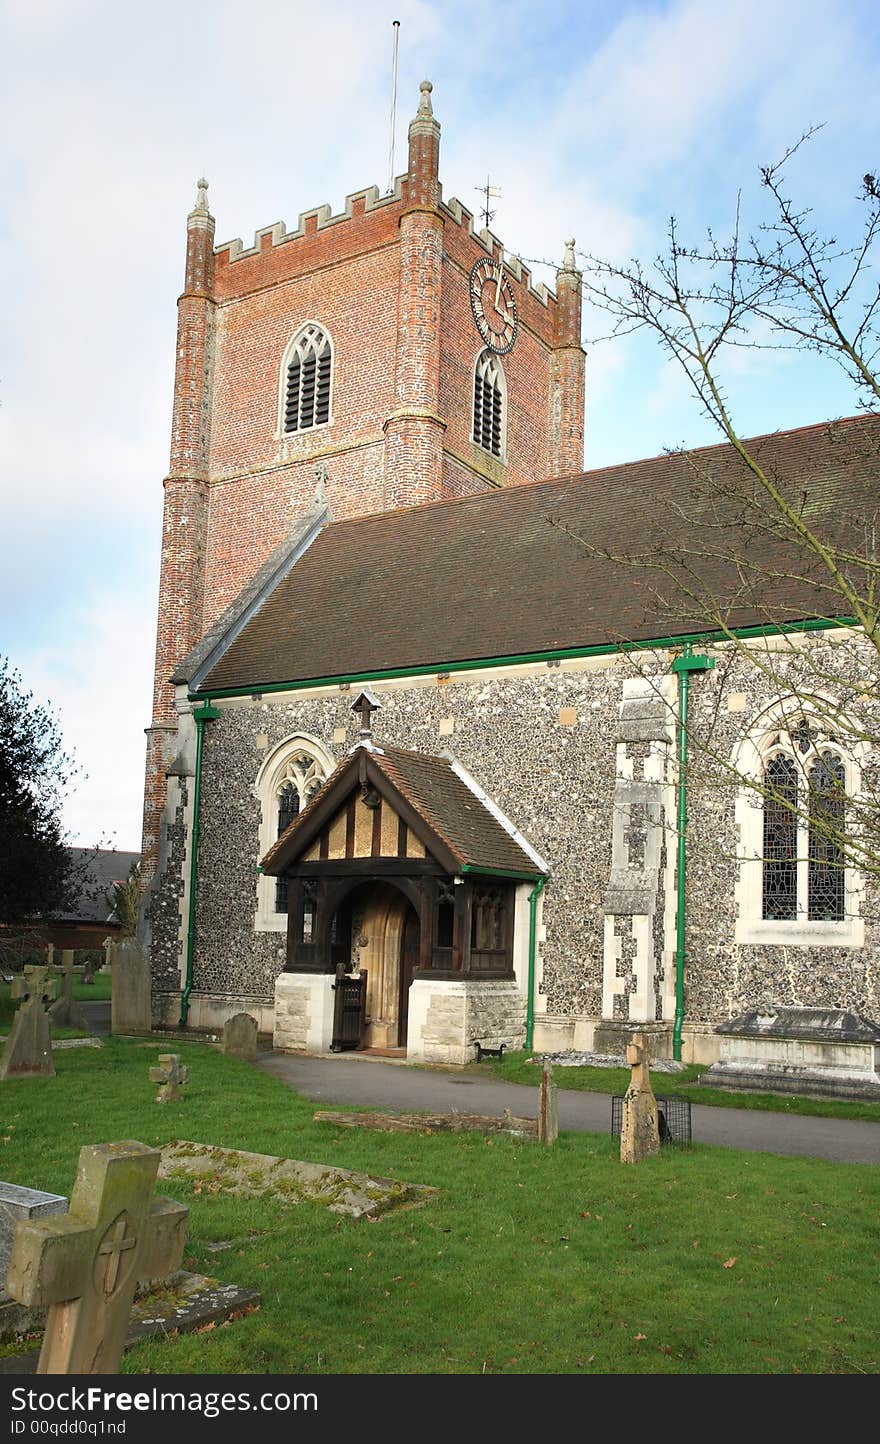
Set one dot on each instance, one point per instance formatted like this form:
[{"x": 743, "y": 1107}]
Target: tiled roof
[
  {"x": 451, "y": 811},
  {"x": 97, "y": 870},
  {"x": 527, "y": 570}
]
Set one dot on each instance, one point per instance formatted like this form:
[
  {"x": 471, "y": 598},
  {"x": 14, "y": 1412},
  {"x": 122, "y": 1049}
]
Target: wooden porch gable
[{"x": 361, "y": 828}]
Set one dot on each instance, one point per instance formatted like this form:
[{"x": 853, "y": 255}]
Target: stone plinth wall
[
  {"x": 447, "y": 1018},
  {"x": 209, "y": 1011},
  {"x": 304, "y": 1012}
]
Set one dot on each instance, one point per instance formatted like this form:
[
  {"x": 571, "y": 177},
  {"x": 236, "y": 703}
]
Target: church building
[{"x": 416, "y": 735}]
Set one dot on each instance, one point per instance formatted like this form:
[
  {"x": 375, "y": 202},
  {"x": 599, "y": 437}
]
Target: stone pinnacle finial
[
  {"x": 201, "y": 205},
  {"x": 322, "y": 475},
  {"x": 425, "y": 107},
  {"x": 569, "y": 264}
]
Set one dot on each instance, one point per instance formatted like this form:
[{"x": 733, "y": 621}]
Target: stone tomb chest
[{"x": 824, "y": 1051}]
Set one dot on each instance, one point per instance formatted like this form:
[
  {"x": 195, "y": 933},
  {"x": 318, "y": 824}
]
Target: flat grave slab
[
  {"x": 433, "y": 1122},
  {"x": 289, "y": 1180},
  {"x": 180, "y": 1305}
]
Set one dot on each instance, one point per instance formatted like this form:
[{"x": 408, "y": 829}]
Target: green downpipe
[
  {"x": 683, "y": 666},
  {"x": 533, "y": 937},
  {"x": 207, "y": 713}
]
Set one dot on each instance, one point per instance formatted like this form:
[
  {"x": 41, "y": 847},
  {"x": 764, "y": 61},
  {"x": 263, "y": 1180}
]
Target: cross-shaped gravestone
[
  {"x": 172, "y": 1074},
  {"x": 84, "y": 1265},
  {"x": 639, "y": 1133},
  {"x": 548, "y": 1106},
  {"x": 66, "y": 1012},
  {"x": 28, "y": 1049}
]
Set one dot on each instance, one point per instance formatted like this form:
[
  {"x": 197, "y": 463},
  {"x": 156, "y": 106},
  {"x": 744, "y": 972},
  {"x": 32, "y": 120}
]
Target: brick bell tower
[{"x": 392, "y": 348}]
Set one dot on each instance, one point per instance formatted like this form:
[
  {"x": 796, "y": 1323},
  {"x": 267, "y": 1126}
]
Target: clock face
[{"x": 494, "y": 305}]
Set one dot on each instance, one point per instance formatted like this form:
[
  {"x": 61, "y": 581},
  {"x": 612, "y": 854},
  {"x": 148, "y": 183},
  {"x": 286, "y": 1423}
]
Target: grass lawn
[
  {"x": 517, "y": 1068},
  {"x": 532, "y": 1260}
]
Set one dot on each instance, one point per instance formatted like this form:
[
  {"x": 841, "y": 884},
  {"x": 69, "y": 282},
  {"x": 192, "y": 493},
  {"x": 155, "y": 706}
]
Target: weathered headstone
[
  {"x": 639, "y": 1134},
  {"x": 17, "y": 1203},
  {"x": 548, "y": 1107},
  {"x": 28, "y": 1049},
  {"x": 66, "y": 1012},
  {"x": 172, "y": 1074},
  {"x": 240, "y": 1036},
  {"x": 131, "y": 998},
  {"x": 85, "y": 1264}
]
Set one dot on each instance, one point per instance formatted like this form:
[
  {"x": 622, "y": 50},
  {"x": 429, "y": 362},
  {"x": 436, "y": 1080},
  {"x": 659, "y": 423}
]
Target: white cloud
[{"x": 94, "y": 678}]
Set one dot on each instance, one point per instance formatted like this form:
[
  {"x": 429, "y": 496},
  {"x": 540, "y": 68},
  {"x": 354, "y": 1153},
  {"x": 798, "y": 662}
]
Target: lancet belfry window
[
  {"x": 302, "y": 778},
  {"x": 489, "y": 391},
  {"x": 804, "y": 803},
  {"x": 307, "y": 384}
]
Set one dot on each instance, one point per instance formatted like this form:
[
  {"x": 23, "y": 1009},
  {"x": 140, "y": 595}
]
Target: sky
[{"x": 597, "y": 120}]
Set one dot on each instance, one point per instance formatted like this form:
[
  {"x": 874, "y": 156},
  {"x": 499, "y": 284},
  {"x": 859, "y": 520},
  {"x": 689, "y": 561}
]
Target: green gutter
[
  {"x": 500, "y": 872},
  {"x": 683, "y": 666},
  {"x": 533, "y": 934},
  {"x": 602, "y": 649},
  {"x": 206, "y": 714}
]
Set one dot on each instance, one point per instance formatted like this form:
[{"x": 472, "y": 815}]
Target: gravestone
[
  {"x": 172, "y": 1074},
  {"x": 240, "y": 1037},
  {"x": 66, "y": 1012},
  {"x": 640, "y": 1133},
  {"x": 131, "y": 1008},
  {"x": 85, "y": 1264},
  {"x": 548, "y": 1107},
  {"x": 28, "y": 1049},
  {"x": 17, "y": 1203}
]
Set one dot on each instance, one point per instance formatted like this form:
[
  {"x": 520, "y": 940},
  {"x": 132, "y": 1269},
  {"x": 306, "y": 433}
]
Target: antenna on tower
[
  {"x": 395, "y": 25},
  {"x": 490, "y": 192}
]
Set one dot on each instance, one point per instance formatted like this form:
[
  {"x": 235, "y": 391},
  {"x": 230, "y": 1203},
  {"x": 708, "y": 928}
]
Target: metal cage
[{"x": 673, "y": 1115}]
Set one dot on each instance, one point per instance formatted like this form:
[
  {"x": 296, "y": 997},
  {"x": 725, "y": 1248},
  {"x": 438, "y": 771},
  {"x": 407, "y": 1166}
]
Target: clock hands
[{"x": 502, "y": 311}]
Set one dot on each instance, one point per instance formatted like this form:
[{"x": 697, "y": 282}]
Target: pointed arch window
[
  {"x": 490, "y": 398},
  {"x": 307, "y": 380},
  {"x": 287, "y": 781},
  {"x": 301, "y": 779},
  {"x": 804, "y": 872},
  {"x": 798, "y": 806}
]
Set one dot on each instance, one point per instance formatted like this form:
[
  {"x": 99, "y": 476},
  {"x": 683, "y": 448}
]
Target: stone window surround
[
  {"x": 487, "y": 355},
  {"x": 290, "y": 348},
  {"x": 268, "y": 783},
  {"x": 749, "y": 758}
]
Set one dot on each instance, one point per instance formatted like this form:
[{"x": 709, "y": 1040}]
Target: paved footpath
[{"x": 350, "y": 1078}]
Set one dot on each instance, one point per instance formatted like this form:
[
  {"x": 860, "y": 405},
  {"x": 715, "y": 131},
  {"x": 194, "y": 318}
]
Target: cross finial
[
  {"x": 366, "y": 703},
  {"x": 425, "y": 106}
]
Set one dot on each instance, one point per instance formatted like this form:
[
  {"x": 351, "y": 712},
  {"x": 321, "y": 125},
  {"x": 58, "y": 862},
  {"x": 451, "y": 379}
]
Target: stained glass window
[
  {"x": 804, "y": 812},
  {"x": 825, "y": 877},
  {"x": 780, "y": 838}
]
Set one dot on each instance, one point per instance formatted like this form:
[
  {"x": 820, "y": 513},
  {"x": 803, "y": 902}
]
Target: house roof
[
  {"x": 537, "y": 568},
  {"x": 457, "y": 826},
  {"x": 97, "y": 869}
]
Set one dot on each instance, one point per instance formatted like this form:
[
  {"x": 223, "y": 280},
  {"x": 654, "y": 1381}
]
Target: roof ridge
[{"x": 598, "y": 471}]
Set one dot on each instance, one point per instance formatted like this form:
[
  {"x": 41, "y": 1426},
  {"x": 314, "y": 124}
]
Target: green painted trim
[
  {"x": 476, "y": 664},
  {"x": 533, "y": 934},
  {"x": 685, "y": 663},
  {"x": 207, "y": 713},
  {"x": 499, "y": 872}
]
